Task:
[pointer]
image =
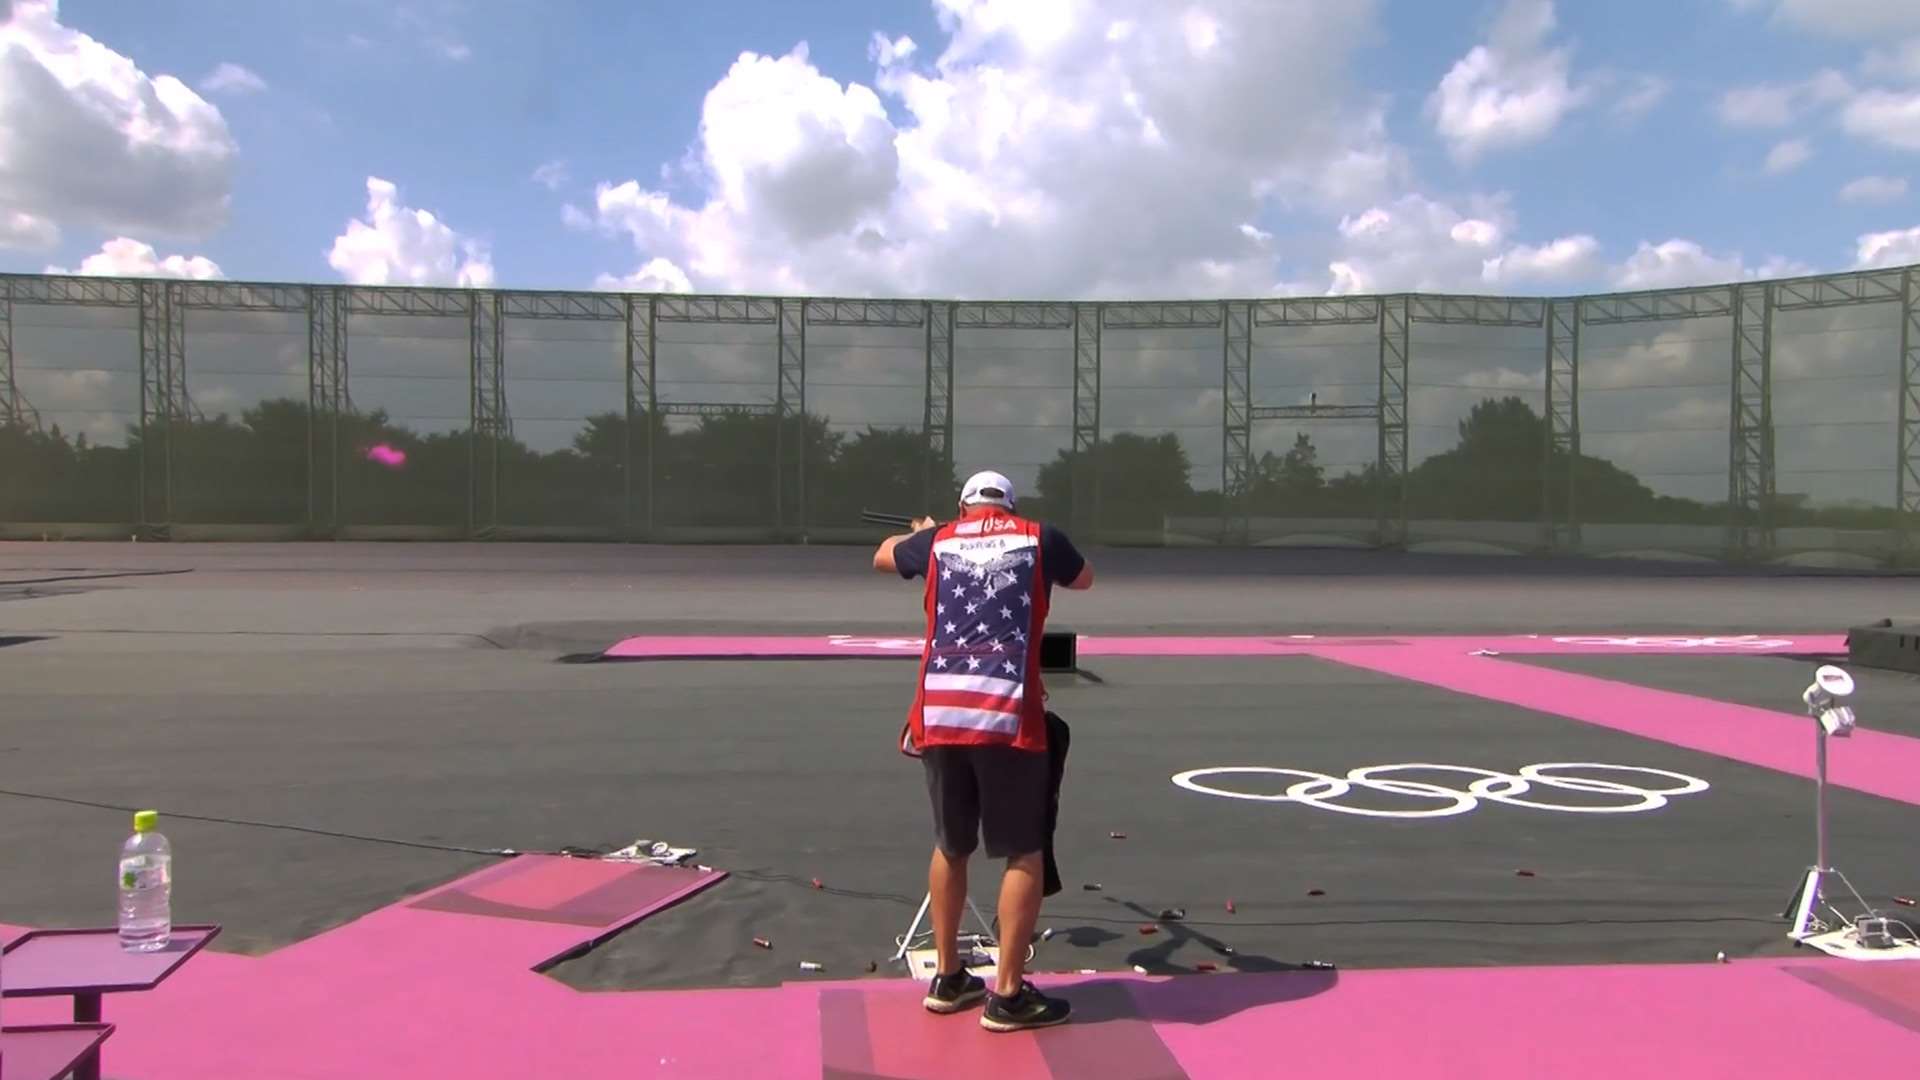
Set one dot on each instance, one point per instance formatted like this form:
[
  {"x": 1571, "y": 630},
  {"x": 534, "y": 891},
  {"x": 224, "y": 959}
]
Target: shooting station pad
[{"x": 375, "y": 694}]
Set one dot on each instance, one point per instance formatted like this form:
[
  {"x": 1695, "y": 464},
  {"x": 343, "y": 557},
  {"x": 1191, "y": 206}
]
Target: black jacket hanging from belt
[{"x": 1058, "y": 735}]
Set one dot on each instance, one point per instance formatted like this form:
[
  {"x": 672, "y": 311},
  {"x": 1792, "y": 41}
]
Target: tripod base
[
  {"x": 1804, "y": 908},
  {"x": 1846, "y": 944},
  {"x": 1863, "y": 938},
  {"x": 980, "y": 955}
]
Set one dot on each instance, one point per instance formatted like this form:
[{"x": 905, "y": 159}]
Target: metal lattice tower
[
  {"x": 488, "y": 413},
  {"x": 642, "y": 408},
  {"x": 1236, "y": 417},
  {"x": 163, "y": 310},
  {"x": 728, "y": 311},
  {"x": 1750, "y": 488},
  {"x": 1086, "y": 418},
  {"x": 163, "y": 391},
  {"x": 1394, "y": 349},
  {"x": 490, "y": 417},
  {"x": 790, "y": 401},
  {"x": 327, "y": 398},
  {"x": 1563, "y": 424},
  {"x": 14, "y": 409},
  {"x": 937, "y": 426},
  {"x": 1907, "y": 469},
  {"x": 1011, "y": 315}
]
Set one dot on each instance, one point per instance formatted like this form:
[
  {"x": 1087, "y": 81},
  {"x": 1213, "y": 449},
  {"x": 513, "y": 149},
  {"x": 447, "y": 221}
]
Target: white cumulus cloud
[
  {"x": 234, "y": 79},
  {"x": 1788, "y": 156},
  {"x": 1898, "y": 247},
  {"x": 1510, "y": 91},
  {"x": 1775, "y": 105},
  {"x": 399, "y": 245},
  {"x": 1677, "y": 263},
  {"x": 1047, "y": 148},
  {"x": 657, "y": 276},
  {"x": 1422, "y": 244},
  {"x": 1568, "y": 259},
  {"x": 551, "y": 175},
  {"x": 1874, "y": 189},
  {"x": 1889, "y": 118},
  {"x": 87, "y": 138},
  {"x": 19, "y": 229},
  {"x": 124, "y": 257}
]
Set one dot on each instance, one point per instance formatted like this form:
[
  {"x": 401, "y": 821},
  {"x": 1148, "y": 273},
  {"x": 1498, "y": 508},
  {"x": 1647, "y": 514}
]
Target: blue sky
[
  {"x": 1059, "y": 149},
  {"x": 458, "y": 102}
]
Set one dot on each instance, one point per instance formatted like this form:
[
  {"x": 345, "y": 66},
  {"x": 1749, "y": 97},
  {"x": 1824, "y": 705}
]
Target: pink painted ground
[
  {"x": 442, "y": 984},
  {"x": 405, "y": 993},
  {"x": 667, "y": 647}
]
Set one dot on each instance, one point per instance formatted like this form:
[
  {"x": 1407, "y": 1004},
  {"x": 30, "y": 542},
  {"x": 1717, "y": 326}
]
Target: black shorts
[{"x": 995, "y": 791}]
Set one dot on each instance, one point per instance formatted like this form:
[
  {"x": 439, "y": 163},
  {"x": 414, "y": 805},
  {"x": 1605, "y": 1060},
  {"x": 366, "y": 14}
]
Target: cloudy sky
[
  {"x": 963, "y": 147},
  {"x": 1001, "y": 148}
]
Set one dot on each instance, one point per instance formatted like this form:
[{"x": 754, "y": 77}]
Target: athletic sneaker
[
  {"x": 1027, "y": 1009},
  {"x": 951, "y": 993}
]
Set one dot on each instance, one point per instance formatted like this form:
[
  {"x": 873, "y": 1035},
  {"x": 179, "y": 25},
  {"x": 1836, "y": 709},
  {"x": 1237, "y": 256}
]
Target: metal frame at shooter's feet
[{"x": 983, "y": 944}]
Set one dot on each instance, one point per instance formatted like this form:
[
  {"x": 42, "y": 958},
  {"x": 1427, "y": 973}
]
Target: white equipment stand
[
  {"x": 983, "y": 953},
  {"x": 1869, "y": 936}
]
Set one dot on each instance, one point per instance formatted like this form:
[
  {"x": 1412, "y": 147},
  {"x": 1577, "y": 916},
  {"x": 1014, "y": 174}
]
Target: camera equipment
[{"x": 1871, "y": 935}]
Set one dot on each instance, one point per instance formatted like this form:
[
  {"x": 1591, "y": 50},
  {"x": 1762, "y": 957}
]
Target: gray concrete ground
[
  {"x": 251, "y": 597},
  {"x": 412, "y": 692}
]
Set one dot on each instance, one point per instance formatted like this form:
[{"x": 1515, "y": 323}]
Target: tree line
[{"x": 719, "y": 471}]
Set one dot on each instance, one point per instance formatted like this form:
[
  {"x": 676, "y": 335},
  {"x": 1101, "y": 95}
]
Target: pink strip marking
[
  {"x": 1876, "y": 762},
  {"x": 1584, "y": 1023},
  {"x": 548, "y": 883},
  {"x": 844, "y": 645},
  {"x": 370, "y": 1005}
]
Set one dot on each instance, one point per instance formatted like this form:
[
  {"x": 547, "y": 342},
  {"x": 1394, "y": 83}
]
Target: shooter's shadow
[{"x": 1245, "y": 981}]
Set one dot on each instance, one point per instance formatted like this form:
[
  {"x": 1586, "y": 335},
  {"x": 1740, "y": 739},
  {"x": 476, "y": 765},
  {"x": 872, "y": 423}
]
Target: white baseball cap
[{"x": 987, "y": 487}]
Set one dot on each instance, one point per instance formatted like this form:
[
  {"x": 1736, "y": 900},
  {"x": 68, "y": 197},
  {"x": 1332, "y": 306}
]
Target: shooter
[{"x": 978, "y": 724}]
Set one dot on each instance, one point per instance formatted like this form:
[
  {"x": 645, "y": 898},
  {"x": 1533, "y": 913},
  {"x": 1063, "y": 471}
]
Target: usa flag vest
[{"x": 986, "y": 602}]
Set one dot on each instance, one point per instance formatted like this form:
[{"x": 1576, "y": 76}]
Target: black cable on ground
[
  {"x": 107, "y": 576},
  {"x": 423, "y": 845},
  {"x": 770, "y": 878}
]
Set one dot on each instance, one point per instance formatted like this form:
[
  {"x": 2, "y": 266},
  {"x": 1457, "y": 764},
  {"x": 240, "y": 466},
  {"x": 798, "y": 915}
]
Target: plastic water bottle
[{"x": 146, "y": 887}]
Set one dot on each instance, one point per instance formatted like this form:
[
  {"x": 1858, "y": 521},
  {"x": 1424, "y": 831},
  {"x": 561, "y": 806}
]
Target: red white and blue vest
[{"x": 986, "y": 609}]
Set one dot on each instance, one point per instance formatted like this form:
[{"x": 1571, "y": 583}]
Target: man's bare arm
[
  {"x": 1085, "y": 580},
  {"x": 883, "y": 556}
]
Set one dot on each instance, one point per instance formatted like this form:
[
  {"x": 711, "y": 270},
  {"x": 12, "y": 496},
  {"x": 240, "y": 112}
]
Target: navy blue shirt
[{"x": 1061, "y": 561}]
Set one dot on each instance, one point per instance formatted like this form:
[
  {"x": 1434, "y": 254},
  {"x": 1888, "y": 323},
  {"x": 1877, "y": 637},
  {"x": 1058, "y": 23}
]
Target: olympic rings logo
[
  {"x": 1743, "y": 641},
  {"x": 1318, "y": 789}
]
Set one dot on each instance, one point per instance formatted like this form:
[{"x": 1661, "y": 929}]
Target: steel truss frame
[
  {"x": 14, "y": 409},
  {"x": 1241, "y": 412},
  {"x": 330, "y": 310},
  {"x": 1000, "y": 315},
  {"x": 790, "y": 423},
  {"x": 1315, "y": 412},
  {"x": 1750, "y": 476},
  {"x": 938, "y": 413},
  {"x": 1562, "y": 532},
  {"x": 488, "y": 425},
  {"x": 327, "y": 400},
  {"x": 163, "y": 395},
  {"x": 1752, "y": 306},
  {"x": 1907, "y": 482},
  {"x": 1393, "y": 316},
  {"x": 1086, "y": 419},
  {"x": 161, "y": 308},
  {"x": 640, "y": 315}
]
